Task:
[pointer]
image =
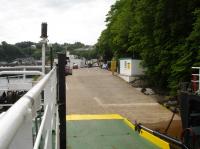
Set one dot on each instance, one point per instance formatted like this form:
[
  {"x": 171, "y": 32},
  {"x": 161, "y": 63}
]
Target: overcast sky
[{"x": 68, "y": 20}]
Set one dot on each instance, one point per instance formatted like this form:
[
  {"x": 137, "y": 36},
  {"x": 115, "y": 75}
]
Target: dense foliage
[
  {"x": 165, "y": 34},
  {"x": 8, "y": 52}
]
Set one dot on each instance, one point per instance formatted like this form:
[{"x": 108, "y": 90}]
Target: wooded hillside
[
  {"x": 26, "y": 49},
  {"x": 165, "y": 34}
]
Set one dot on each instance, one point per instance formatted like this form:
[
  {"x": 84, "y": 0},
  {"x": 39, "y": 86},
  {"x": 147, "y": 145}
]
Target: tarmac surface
[{"x": 97, "y": 91}]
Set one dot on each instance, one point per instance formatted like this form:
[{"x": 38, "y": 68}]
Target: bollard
[{"x": 62, "y": 100}]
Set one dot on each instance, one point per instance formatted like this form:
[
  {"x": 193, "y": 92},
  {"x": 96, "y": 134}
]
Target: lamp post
[
  {"x": 44, "y": 43},
  {"x": 51, "y": 55}
]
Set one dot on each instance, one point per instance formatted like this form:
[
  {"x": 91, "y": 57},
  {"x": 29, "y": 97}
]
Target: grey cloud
[
  {"x": 64, "y": 4},
  {"x": 21, "y": 19}
]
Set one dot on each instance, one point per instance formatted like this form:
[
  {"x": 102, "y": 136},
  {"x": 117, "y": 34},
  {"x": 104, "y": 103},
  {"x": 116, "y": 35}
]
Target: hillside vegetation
[
  {"x": 165, "y": 34},
  {"x": 26, "y": 49}
]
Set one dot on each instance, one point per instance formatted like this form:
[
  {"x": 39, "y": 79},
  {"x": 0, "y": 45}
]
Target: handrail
[
  {"x": 21, "y": 72},
  {"x": 195, "y": 67},
  {"x": 22, "y": 67},
  {"x": 15, "y": 116},
  {"x": 14, "y": 76}
]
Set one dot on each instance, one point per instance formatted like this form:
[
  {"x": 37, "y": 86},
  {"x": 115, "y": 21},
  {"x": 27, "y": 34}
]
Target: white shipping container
[{"x": 130, "y": 68}]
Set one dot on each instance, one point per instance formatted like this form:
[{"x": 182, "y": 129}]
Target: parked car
[
  {"x": 105, "y": 66},
  {"x": 75, "y": 66},
  {"x": 68, "y": 70},
  {"x": 89, "y": 65}
]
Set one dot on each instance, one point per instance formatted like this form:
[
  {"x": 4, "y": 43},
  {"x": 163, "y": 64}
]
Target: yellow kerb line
[
  {"x": 93, "y": 117},
  {"x": 129, "y": 124},
  {"x": 155, "y": 140},
  {"x": 159, "y": 142}
]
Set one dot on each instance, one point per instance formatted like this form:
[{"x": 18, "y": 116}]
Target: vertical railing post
[
  {"x": 24, "y": 76},
  {"x": 51, "y": 56},
  {"x": 62, "y": 100}
]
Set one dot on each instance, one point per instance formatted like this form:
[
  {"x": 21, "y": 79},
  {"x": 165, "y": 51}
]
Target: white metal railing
[
  {"x": 15, "y": 82},
  {"x": 23, "y": 67},
  {"x": 18, "y": 83},
  {"x": 16, "y": 124},
  {"x": 15, "y": 70},
  {"x": 21, "y": 72}
]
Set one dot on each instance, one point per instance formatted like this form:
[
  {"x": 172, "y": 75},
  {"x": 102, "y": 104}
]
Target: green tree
[{"x": 163, "y": 33}]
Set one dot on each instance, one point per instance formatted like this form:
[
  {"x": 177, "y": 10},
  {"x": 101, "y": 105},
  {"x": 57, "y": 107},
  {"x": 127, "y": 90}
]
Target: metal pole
[
  {"x": 44, "y": 42},
  {"x": 51, "y": 56},
  {"x": 43, "y": 56},
  {"x": 62, "y": 100}
]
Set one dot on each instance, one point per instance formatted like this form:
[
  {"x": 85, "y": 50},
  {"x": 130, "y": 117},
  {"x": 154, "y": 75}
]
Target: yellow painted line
[
  {"x": 157, "y": 141},
  {"x": 150, "y": 137},
  {"x": 93, "y": 117},
  {"x": 129, "y": 124}
]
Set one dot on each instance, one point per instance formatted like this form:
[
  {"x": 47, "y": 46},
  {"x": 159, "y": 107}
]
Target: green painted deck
[{"x": 104, "y": 134}]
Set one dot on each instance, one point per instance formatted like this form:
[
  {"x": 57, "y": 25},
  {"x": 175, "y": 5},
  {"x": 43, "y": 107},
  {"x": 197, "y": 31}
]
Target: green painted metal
[
  {"x": 104, "y": 134},
  {"x": 53, "y": 139}
]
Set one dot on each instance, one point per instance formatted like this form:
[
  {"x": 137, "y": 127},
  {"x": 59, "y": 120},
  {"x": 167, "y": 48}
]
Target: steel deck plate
[{"x": 104, "y": 134}]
